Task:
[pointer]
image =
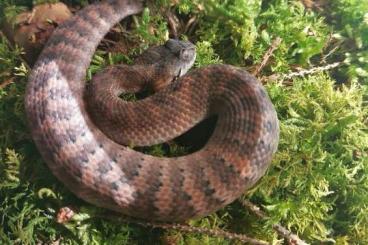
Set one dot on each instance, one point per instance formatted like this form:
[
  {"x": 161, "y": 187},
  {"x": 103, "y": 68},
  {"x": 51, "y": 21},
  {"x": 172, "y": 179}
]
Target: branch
[
  {"x": 191, "y": 229},
  {"x": 267, "y": 55},
  {"x": 65, "y": 214},
  {"x": 6, "y": 82},
  {"x": 207, "y": 231},
  {"x": 282, "y": 231},
  {"x": 313, "y": 70},
  {"x": 301, "y": 73}
]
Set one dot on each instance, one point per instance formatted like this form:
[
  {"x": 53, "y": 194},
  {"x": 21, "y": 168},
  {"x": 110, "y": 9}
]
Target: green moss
[
  {"x": 303, "y": 34},
  {"x": 351, "y": 18},
  {"x": 242, "y": 31},
  {"x": 319, "y": 172}
]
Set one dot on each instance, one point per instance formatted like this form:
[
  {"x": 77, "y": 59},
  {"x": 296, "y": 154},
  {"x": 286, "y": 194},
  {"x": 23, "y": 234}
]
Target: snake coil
[{"x": 113, "y": 176}]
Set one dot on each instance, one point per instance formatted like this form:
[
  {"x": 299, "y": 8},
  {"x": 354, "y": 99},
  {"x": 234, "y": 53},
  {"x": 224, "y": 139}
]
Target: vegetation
[{"x": 317, "y": 186}]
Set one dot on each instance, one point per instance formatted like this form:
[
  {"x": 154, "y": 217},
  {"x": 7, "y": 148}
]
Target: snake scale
[{"x": 111, "y": 175}]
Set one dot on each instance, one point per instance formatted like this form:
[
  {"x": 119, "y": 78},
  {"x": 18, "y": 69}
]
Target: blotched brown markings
[
  {"x": 178, "y": 210},
  {"x": 105, "y": 12},
  {"x": 130, "y": 168},
  {"x": 147, "y": 183},
  {"x": 65, "y": 35},
  {"x": 123, "y": 114},
  {"x": 222, "y": 181},
  {"x": 112, "y": 176},
  {"x": 92, "y": 17},
  {"x": 71, "y": 52},
  {"x": 166, "y": 192}
]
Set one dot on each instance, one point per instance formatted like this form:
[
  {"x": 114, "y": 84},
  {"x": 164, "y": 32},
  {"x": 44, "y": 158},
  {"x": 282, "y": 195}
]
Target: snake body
[{"x": 114, "y": 176}]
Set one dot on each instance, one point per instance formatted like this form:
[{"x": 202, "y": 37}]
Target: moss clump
[{"x": 319, "y": 175}]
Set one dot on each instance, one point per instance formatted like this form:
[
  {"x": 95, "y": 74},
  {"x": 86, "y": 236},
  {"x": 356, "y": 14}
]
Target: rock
[{"x": 30, "y": 30}]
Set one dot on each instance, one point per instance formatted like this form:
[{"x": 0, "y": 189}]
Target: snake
[{"x": 110, "y": 174}]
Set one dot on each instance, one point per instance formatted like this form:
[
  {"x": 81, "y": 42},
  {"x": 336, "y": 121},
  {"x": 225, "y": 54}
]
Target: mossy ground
[{"x": 317, "y": 185}]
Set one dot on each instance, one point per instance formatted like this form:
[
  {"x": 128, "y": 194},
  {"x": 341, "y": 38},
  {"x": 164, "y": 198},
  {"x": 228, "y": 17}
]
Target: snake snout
[
  {"x": 185, "y": 55},
  {"x": 184, "y": 50}
]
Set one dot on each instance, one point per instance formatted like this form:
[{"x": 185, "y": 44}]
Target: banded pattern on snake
[{"x": 114, "y": 176}]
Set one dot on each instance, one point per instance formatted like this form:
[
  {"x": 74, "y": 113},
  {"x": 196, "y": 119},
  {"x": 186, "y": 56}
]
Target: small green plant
[
  {"x": 151, "y": 29},
  {"x": 242, "y": 31},
  {"x": 303, "y": 34},
  {"x": 322, "y": 159},
  {"x": 351, "y": 20},
  {"x": 230, "y": 24},
  {"x": 206, "y": 54}
]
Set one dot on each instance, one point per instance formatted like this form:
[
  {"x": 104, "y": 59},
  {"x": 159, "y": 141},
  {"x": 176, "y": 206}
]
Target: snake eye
[{"x": 185, "y": 54}]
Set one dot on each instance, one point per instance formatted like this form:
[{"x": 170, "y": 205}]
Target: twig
[
  {"x": 171, "y": 19},
  {"x": 267, "y": 55},
  {"x": 190, "y": 229},
  {"x": 324, "y": 57},
  {"x": 282, "y": 231},
  {"x": 6, "y": 82},
  {"x": 301, "y": 73},
  {"x": 210, "y": 232},
  {"x": 65, "y": 214},
  {"x": 331, "y": 42},
  {"x": 190, "y": 25},
  {"x": 311, "y": 71}
]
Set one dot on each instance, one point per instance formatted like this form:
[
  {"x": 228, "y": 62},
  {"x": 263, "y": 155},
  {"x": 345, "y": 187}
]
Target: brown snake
[{"x": 114, "y": 176}]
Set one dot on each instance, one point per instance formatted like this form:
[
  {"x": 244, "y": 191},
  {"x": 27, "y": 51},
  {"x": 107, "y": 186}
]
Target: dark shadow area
[
  {"x": 195, "y": 138},
  {"x": 191, "y": 141}
]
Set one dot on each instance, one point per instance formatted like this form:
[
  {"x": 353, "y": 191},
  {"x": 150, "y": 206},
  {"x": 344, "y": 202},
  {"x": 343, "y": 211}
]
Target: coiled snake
[{"x": 114, "y": 176}]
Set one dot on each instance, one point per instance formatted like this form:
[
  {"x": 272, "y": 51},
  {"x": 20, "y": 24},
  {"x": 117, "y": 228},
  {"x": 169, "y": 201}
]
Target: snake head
[
  {"x": 170, "y": 60},
  {"x": 183, "y": 53}
]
